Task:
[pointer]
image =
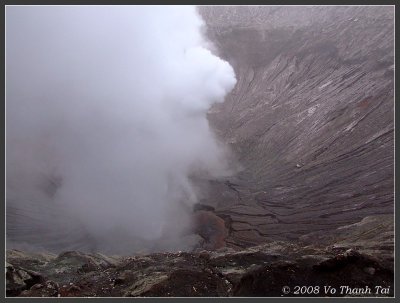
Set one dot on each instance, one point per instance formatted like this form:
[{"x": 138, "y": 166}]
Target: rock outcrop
[{"x": 261, "y": 270}]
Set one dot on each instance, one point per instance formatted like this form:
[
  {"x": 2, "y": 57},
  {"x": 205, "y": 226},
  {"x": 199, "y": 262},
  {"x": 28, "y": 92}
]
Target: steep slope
[
  {"x": 310, "y": 119},
  {"x": 310, "y": 123}
]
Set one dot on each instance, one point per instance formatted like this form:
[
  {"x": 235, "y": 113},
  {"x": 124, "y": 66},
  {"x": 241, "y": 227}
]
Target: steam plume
[{"x": 106, "y": 120}]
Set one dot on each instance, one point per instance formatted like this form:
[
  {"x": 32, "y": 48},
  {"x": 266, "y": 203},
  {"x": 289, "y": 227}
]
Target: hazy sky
[{"x": 111, "y": 103}]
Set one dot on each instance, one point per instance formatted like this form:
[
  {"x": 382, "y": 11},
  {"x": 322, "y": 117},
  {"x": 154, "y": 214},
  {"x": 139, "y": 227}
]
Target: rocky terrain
[
  {"x": 261, "y": 270},
  {"x": 311, "y": 123}
]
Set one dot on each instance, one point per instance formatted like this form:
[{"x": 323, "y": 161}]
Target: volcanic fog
[{"x": 106, "y": 125}]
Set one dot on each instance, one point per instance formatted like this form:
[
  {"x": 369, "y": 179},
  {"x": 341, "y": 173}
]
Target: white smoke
[{"x": 105, "y": 122}]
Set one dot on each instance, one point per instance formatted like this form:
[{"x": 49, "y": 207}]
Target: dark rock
[
  {"x": 199, "y": 206},
  {"x": 19, "y": 279},
  {"x": 46, "y": 289},
  {"x": 338, "y": 271},
  {"x": 369, "y": 270},
  {"x": 256, "y": 271}
]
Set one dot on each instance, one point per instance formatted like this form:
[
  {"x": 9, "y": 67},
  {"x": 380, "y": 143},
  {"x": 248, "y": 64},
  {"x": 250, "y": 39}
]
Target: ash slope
[{"x": 311, "y": 118}]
